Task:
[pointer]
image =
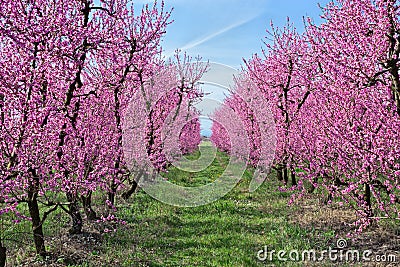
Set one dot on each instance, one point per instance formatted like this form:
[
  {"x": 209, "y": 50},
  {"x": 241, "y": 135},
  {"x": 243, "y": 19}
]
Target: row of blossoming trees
[
  {"x": 334, "y": 92},
  {"x": 77, "y": 77}
]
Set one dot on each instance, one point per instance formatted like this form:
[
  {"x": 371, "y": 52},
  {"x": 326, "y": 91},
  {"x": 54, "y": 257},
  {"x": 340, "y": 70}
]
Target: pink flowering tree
[
  {"x": 167, "y": 116},
  {"x": 334, "y": 95},
  {"x": 123, "y": 69},
  {"x": 189, "y": 137},
  {"x": 353, "y": 118},
  {"x": 42, "y": 57},
  {"x": 60, "y": 103},
  {"x": 111, "y": 67},
  {"x": 219, "y": 136},
  {"x": 254, "y": 118},
  {"x": 283, "y": 75}
]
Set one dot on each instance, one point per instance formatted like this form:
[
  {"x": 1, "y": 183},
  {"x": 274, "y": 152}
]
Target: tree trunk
[
  {"x": 75, "y": 214},
  {"x": 293, "y": 176},
  {"x": 368, "y": 200},
  {"x": 367, "y": 195},
  {"x": 311, "y": 190},
  {"x": 111, "y": 196},
  {"x": 279, "y": 175},
  {"x": 34, "y": 212},
  {"x": 126, "y": 195},
  {"x": 134, "y": 185},
  {"x": 3, "y": 252},
  {"x": 37, "y": 229},
  {"x": 113, "y": 190},
  {"x": 87, "y": 206},
  {"x": 285, "y": 175}
]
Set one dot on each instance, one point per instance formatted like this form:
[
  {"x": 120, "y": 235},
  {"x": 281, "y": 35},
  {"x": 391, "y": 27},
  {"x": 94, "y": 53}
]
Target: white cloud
[
  {"x": 211, "y": 36},
  {"x": 143, "y": 1},
  {"x": 215, "y": 34}
]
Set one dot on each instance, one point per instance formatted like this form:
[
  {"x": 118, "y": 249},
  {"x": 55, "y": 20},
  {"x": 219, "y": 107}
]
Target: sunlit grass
[{"x": 227, "y": 232}]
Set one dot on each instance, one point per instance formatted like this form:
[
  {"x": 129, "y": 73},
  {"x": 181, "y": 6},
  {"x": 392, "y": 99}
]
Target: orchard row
[
  {"x": 334, "y": 96},
  {"x": 86, "y": 100}
]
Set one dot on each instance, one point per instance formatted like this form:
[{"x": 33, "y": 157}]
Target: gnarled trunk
[
  {"x": 126, "y": 195},
  {"x": 87, "y": 206},
  {"x": 293, "y": 176},
  {"x": 279, "y": 175},
  {"x": 37, "y": 229},
  {"x": 285, "y": 175},
  {"x": 134, "y": 185},
  {"x": 111, "y": 194},
  {"x": 34, "y": 212},
  {"x": 3, "y": 254},
  {"x": 76, "y": 218},
  {"x": 367, "y": 198}
]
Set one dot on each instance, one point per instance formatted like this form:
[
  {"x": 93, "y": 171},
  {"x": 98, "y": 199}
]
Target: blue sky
[{"x": 226, "y": 31}]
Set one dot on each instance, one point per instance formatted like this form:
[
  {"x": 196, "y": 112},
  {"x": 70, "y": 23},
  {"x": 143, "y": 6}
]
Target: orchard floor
[{"x": 228, "y": 232}]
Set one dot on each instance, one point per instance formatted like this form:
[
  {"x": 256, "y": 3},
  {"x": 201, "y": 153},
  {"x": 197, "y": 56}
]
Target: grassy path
[{"x": 228, "y": 232}]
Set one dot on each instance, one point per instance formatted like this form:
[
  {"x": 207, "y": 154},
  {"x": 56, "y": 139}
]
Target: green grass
[{"x": 227, "y": 232}]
